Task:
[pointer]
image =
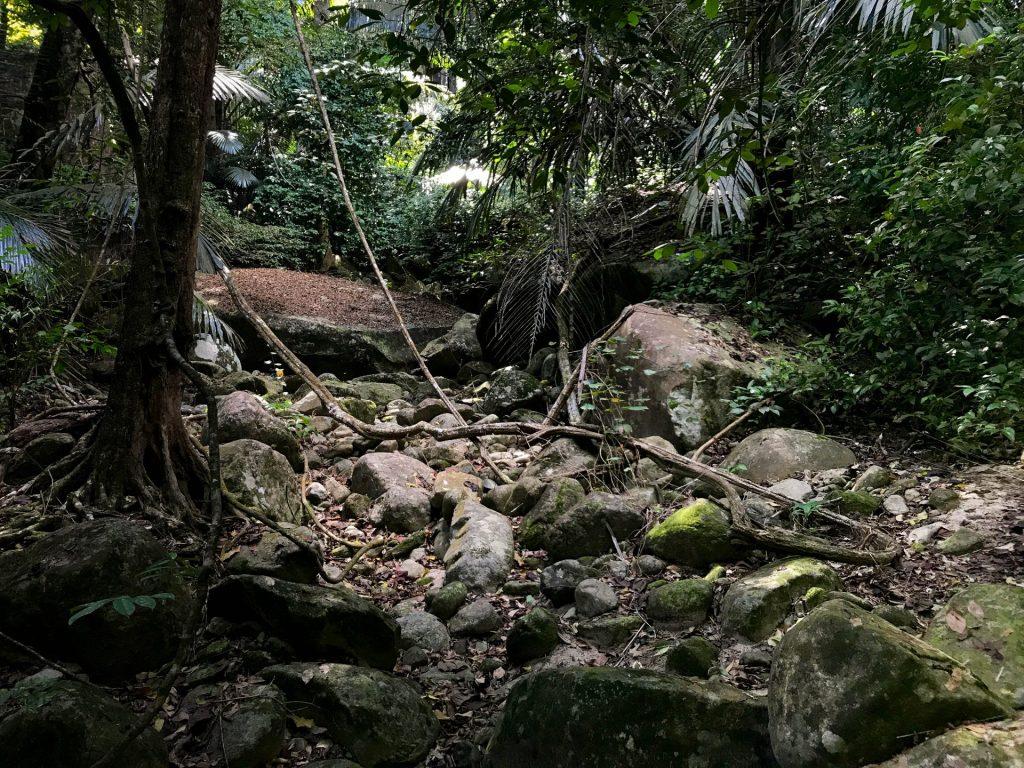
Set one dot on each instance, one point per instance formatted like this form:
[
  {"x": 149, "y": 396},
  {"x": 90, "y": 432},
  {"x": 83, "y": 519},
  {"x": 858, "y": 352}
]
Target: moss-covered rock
[
  {"x": 262, "y": 478},
  {"x": 510, "y": 389},
  {"x": 532, "y": 636},
  {"x": 274, "y": 555},
  {"x": 253, "y": 734},
  {"x": 858, "y": 503},
  {"x": 44, "y": 584},
  {"x": 756, "y": 604},
  {"x": 584, "y": 529},
  {"x": 377, "y": 718},
  {"x": 848, "y": 688},
  {"x": 983, "y": 626},
  {"x": 562, "y": 458},
  {"x": 981, "y": 745},
  {"x": 606, "y": 717},
  {"x": 682, "y": 603},
  {"x": 558, "y": 497},
  {"x": 446, "y": 602},
  {"x": 697, "y": 536},
  {"x": 330, "y": 623},
  {"x": 610, "y": 630},
  {"x": 48, "y": 723},
  {"x": 244, "y": 416},
  {"x": 692, "y": 657}
]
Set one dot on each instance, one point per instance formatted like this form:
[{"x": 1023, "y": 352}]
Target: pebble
[{"x": 895, "y": 505}]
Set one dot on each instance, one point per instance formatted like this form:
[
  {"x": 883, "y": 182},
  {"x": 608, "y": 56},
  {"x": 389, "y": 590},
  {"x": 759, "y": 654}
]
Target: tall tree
[{"x": 141, "y": 446}]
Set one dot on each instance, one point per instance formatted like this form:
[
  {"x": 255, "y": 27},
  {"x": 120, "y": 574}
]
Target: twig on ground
[{"x": 729, "y": 428}]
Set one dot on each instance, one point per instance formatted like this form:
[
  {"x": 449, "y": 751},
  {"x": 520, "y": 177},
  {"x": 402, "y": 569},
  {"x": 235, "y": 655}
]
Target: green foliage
[{"x": 125, "y": 605}]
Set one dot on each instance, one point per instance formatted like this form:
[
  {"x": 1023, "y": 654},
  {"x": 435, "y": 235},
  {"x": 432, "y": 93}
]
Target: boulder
[
  {"x": 274, "y": 555},
  {"x": 329, "y": 623},
  {"x": 423, "y": 630},
  {"x": 594, "y": 597},
  {"x": 478, "y": 619},
  {"x": 606, "y": 717},
  {"x": 981, "y": 745},
  {"x": 558, "y": 497},
  {"x": 848, "y": 688},
  {"x": 510, "y": 389},
  {"x": 262, "y": 478},
  {"x": 559, "y": 581},
  {"x": 377, "y": 718},
  {"x": 43, "y": 585},
  {"x": 253, "y": 734},
  {"x": 243, "y": 416},
  {"x": 610, "y": 630},
  {"x": 562, "y": 458},
  {"x": 401, "y": 509},
  {"x": 683, "y": 603},
  {"x": 449, "y": 352},
  {"x": 532, "y": 636},
  {"x": 481, "y": 551},
  {"x": 755, "y": 605},
  {"x": 47, "y": 722},
  {"x": 983, "y": 627},
  {"x": 684, "y": 366},
  {"x": 858, "y": 503},
  {"x": 771, "y": 455},
  {"x": 584, "y": 529},
  {"x": 696, "y": 536},
  {"x": 376, "y": 473},
  {"x": 447, "y": 600},
  {"x": 38, "y": 454},
  {"x": 692, "y": 657}
]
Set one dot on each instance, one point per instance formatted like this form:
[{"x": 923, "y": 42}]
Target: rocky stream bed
[{"x": 596, "y": 611}]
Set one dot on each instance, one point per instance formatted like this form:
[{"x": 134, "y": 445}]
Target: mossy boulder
[
  {"x": 983, "y": 626},
  {"x": 559, "y": 496},
  {"x": 858, "y": 503},
  {"x": 562, "y": 458},
  {"x": 253, "y": 734},
  {"x": 584, "y": 529},
  {"x": 39, "y": 454},
  {"x": 532, "y": 636},
  {"x": 848, "y": 688},
  {"x": 610, "y": 630},
  {"x": 756, "y": 604},
  {"x": 510, "y": 389},
  {"x": 606, "y": 717},
  {"x": 981, "y": 745},
  {"x": 692, "y": 657},
  {"x": 377, "y": 718},
  {"x": 446, "y": 602},
  {"x": 697, "y": 536},
  {"x": 771, "y": 455},
  {"x": 682, "y": 603},
  {"x": 57, "y": 723},
  {"x": 274, "y": 555},
  {"x": 44, "y": 584},
  {"x": 331, "y": 623},
  {"x": 244, "y": 416}
]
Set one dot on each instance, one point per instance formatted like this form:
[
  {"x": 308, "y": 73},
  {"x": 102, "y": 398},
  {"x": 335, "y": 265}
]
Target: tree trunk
[
  {"x": 48, "y": 101},
  {"x": 142, "y": 441}
]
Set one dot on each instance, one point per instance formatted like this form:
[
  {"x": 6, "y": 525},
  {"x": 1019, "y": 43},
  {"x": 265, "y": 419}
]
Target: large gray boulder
[
  {"x": 448, "y": 353},
  {"x": 38, "y": 454},
  {"x": 983, "y": 627},
  {"x": 757, "y": 603},
  {"x": 584, "y": 529},
  {"x": 684, "y": 365},
  {"x": 44, "y": 584},
  {"x": 482, "y": 548},
  {"x": 253, "y": 734},
  {"x": 330, "y": 623},
  {"x": 510, "y": 389},
  {"x": 771, "y": 455},
  {"x": 377, "y": 718},
  {"x": 243, "y": 415},
  {"x": 697, "y": 535},
  {"x": 262, "y": 478},
  {"x": 57, "y": 723},
  {"x": 848, "y": 688},
  {"x": 562, "y": 458},
  {"x": 606, "y": 717},
  {"x": 376, "y": 473},
  {"x": 277, "y": 556}
]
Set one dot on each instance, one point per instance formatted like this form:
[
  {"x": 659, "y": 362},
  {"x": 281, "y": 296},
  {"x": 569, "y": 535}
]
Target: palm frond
[
  {"x": 206, "y": 321},
  {"x": 890, "y": 17},
  {"x": 525, "y": 303},
  {"x": 226, "y": 141},
  {"x": 231, "y": 85},
  {"x": 240, "y": 177},
  {"x": 28, "y": 238}
]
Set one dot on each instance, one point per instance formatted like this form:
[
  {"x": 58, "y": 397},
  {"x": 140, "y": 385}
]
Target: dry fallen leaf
[
  {"x": 975, "y": 610},
  {"x": 956, "y": 622}
]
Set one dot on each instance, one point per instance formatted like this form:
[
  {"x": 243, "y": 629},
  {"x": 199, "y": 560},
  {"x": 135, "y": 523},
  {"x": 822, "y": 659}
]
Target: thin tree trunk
[{"x": 48, "y": 100}]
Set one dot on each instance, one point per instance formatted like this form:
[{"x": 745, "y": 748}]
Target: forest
[{"x": 511, "y": 383}]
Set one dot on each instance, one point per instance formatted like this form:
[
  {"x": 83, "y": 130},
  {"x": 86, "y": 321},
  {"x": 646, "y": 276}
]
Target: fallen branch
[{"x": 729, "y": 428}]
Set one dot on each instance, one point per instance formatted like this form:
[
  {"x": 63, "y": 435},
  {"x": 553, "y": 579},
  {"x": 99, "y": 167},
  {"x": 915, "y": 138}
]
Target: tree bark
[
  {"x": 48, "y": 101},
  {"x": 142, "y": 443}
]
